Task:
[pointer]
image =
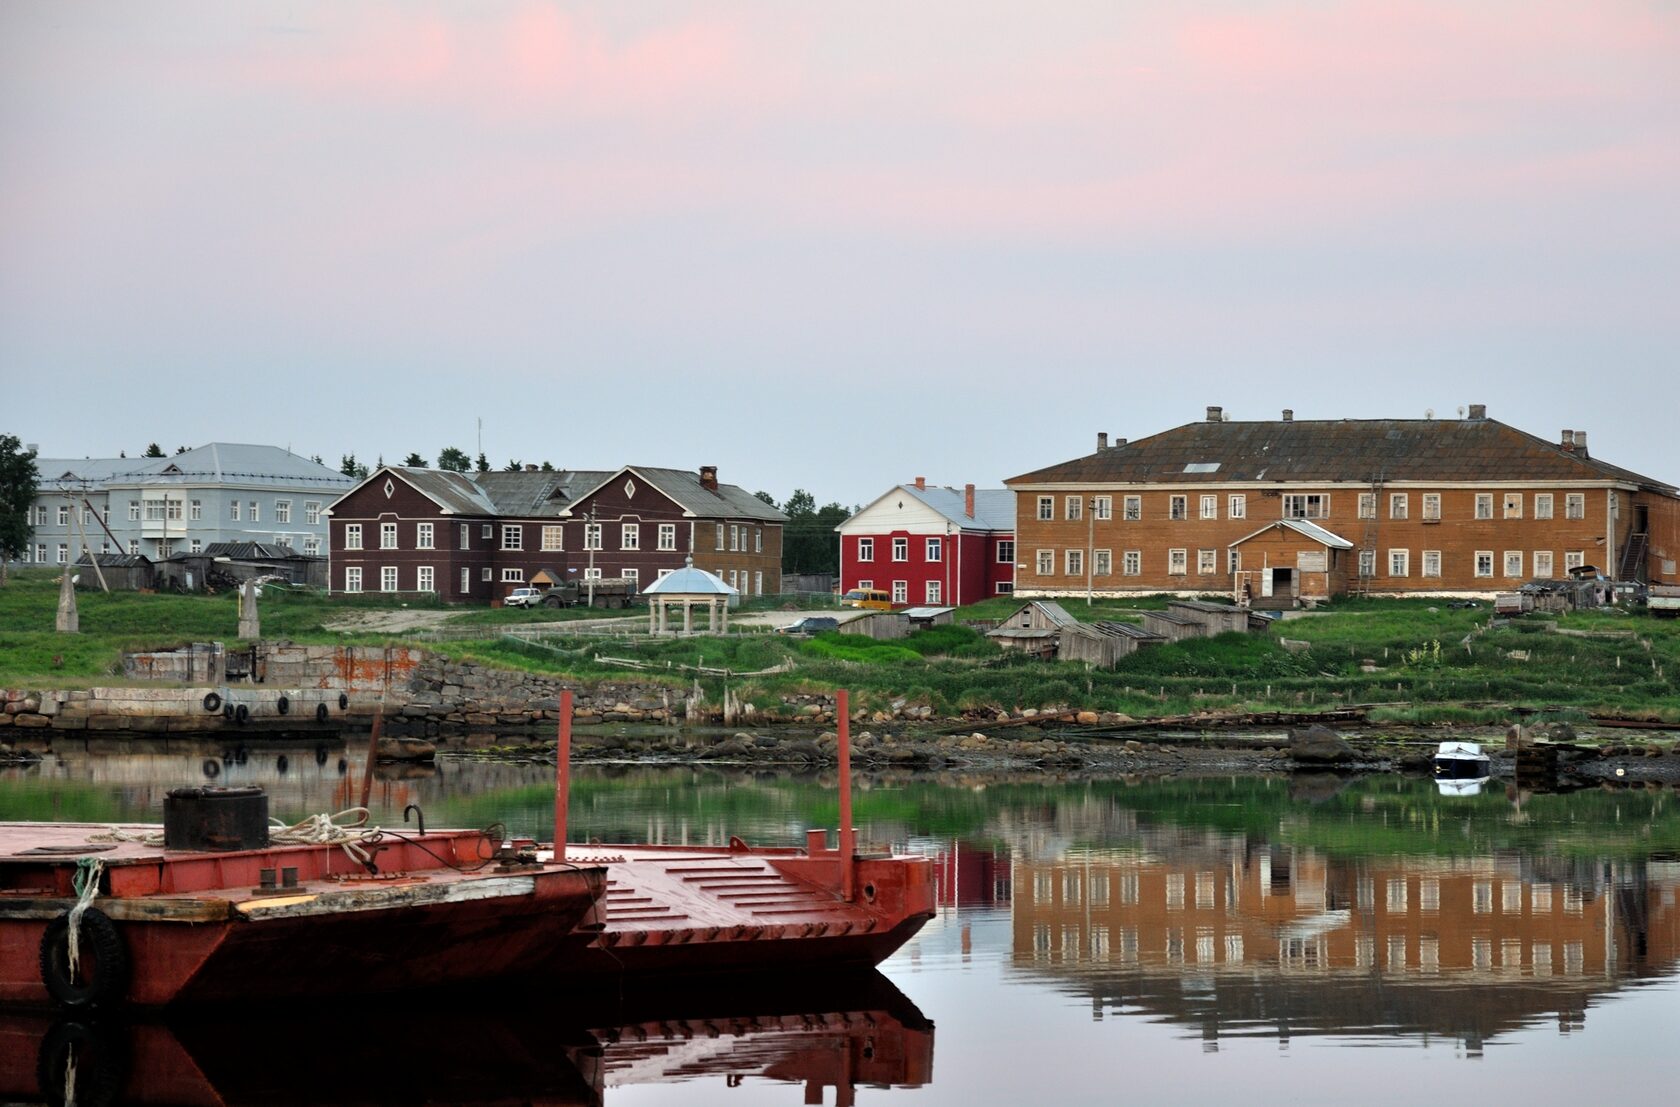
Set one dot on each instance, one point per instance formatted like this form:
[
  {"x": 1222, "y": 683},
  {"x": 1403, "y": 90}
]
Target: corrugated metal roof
[
  {"x": 237, "y": 463},
  {"x": 688, "y": 581},
  {"x": 1128, "y": 630},
  {"x": 453, "y": 492},
  {"x": 255, "y": 551},
  {"x": 730, "y": 501},
  {"x": 1321, "y": 451},
  {"x": 116, "y": 560},
  {"x": 924, "y": 612},
  {"x": 540, "y": 493},
  {"x": 1303, "y": 527},
  {"x": 994, "y": 508}
]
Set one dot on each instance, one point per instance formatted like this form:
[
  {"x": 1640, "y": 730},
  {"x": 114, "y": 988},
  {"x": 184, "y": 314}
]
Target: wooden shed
[
  {"x": 122, "y": 572},
  {"x": 1033, "y": 628},
  {"x": 1173, "y": 626},
  {"x": 1218, "y": 618}
]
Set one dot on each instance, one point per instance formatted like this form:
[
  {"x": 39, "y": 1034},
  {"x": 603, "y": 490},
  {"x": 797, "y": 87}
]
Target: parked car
[
  {"x": 523, "y": 597},
  {"x": 811, "y": 624},
  {"x": 873, "y": 598}
]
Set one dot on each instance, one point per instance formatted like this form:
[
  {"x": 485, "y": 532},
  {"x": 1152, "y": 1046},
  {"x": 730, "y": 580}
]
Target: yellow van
[{"x": 867, "y": 597}]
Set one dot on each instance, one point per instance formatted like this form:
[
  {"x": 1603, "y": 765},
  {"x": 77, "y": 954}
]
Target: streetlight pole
[{"x": 1090, "y": 546}]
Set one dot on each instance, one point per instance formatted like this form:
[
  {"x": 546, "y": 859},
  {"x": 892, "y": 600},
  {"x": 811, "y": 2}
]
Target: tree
[
  {"x": 483, "y": 462},
  {"x": 513, "y": 466},
  {"x": 316, "y": 458},
  {"x": 809, "y": 544},
  {"x": 414, "y": 461},
  {"x": 180, "y": 450},
  {"x": 18, "y": 485},
  {"x": 548, "y": 466},
  {"x": 453, "y": 460},
  {"x": 348, "y": 465},
  {"x": 766, "y": 497},
  {"x": 154, "y": 450}
]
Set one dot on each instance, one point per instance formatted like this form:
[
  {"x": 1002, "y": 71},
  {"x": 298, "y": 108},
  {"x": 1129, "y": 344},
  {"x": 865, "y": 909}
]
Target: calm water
[{"x": 1099, "y": 940}]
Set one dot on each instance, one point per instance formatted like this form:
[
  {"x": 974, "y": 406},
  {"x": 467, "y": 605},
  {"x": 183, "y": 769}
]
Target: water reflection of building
[
  {"x": 968, "y": 875},
  {"x": 1273, "y": 940}
]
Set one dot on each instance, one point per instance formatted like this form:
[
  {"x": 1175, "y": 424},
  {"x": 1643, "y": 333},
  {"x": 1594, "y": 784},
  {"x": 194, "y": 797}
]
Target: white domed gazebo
[{"x": 691, "y": 588}]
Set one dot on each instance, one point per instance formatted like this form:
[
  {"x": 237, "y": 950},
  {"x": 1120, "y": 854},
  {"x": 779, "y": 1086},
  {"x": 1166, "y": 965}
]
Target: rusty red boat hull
[{"x": 196, "y": 929}]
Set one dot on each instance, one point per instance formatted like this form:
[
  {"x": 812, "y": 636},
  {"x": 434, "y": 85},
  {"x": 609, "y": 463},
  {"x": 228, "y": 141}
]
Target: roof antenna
[
  {"x": 1429, "y": 413},
  {"x": 1461, "y": 411}
]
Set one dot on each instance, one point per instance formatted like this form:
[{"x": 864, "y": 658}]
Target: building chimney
[
  {"x": 921, "y": 484},
  {"x": 1568, "y": 439},
  {"x": 968, "y": 500},
  {"x": 1118, "y": 442},
  {"x": 531, "y": 467},
  {"x": 1581, "y": 443},
  {"x": 708, "y": 477},
  {"x": 1288, "y": 415},
  {"x": 1478, "y": 411},
  {"x": 1216, "y": 414},
  {"x": 1102, "y": 440}
]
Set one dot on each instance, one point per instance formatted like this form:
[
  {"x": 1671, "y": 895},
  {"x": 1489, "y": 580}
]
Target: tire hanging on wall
[
  {"x": 241, "y": 713},
  {"x": 320, "y": 712},
  {"x": 213, "y": 702},
  {"x": 101, "y": 946},
  {"x": 344, "y": 701},
  {"x": 282, "y": 705}
]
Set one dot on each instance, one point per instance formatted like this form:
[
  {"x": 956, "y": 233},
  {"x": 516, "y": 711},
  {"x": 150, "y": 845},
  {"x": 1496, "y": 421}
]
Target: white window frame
[
  {"x": 256, "y": 516},
  {"x": 513, "y": 536},
  {"x": 1367, "y": 563},
  {"x": 352, "y": 536},
  {"x": 352, "y": 578},
  {"x": 1207, "y": 562},
  {"x": 64, "y": 553},
  {"x": 513, "y": 576},
  {"x": 487, "y": 530},
  {"x": 1102, "y": 563},
  {"x": 901, "y": 549},
  {"x": 1543, "y": 505},
  {"x": 720, "y": 536},
  {"x": 1131, "y": 563},
  {"x": 592, "y": 535},
  {"x": 1233, "y": 559},
  {"x": 1210, "y": 507},
  {"x": 1074, "y": 560},
  {"x": 1575, "y": 505},
  {"x": 1302, "y": 505},
  {"x": 233, "y": 511},
  {"x": 1513, "y": 505},
  {"x": 758, "y": 582},
  {"x": 311, "y": 546},
  {"x": 1132, "y": 507},
  {"x": 63, "y": 515},
  {"x": 1431, "y": 563},
  {"x": 1075, "y": 509},
  {"x": 1178, "y": 508},
  {"x": 425, "y": 578},
  {"x": 283, "y": 511},
  {"x": 1367, "y": 505},
  {"x": 466, "y": 580},
  {"x": 553, "y": 537},
  {"x": 1046, "y": 563},
  {"x": 1006, "y": 551},
  {"x": 1544, "y": 564},
  {"x": 593, "y": 574},
  {"x": 1484, "y": 564},
  {"x": 1513, "y": 559},
  {"x": 631, "y": 574},
  {"x": 758, "y": 540},
  {"x": 154, "y": 511},
  {"x": 630, "y": 536},
  {"x": 667, "y": 536},
  {"x": 1102, "y": 508},
  {"x": 388, "y": 536},
  {"x": 389, "y": 579},
  {"x": 900, "y": 591},
  {"x": 466, "y": 536},
  {"x": 866, "y": 549},
  {"x": 196, "y": 545},
  {"x": 1574, "y": 559},
  {"x": 172, "y": 510},
  {"x": 735, "y": 537},
  {"x": 1178, "y": 562},
  {"x": 424, "y": 535},
  {"x": 311, "y": 512},
  {"x": 1399, "y": 505},
  {"x": 863, "y": 585},
  {"x": 934, "y": 592},
  {"x": 133, "y": 513},
  {"x": 133, "y": 548},
  {"x": 1484, "y": 505},
  {"x": 1046, "y": 508},
  {"x": 1431, "y": 507},
  {"x": 935, "y": 549},
  {"x": 486, "y": 574},
  {"x": 1236, "y": 507},
  {"x": 1399, "y": 563}
]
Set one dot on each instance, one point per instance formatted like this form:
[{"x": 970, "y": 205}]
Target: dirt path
[{"x": 390, "y": 621}]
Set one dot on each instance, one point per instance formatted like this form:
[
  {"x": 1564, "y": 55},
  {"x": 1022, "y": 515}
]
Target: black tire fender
[
  {"x": 101, "y": 1064},
  {"x": 227, "y": 710},
  {"x": 101, "y": 945},
  {"x": 344, "y": 701},
  {"x": 320, "y": 712},
  {"x": 282, "y": 705},
  {"x": 213, "y": 702},
  {"x": 241, "y": 714}
]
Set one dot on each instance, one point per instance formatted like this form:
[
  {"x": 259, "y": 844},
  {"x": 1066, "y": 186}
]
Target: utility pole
[
  {"x": 591, "y": 539},
  {"x": 1090, "y": 546}
]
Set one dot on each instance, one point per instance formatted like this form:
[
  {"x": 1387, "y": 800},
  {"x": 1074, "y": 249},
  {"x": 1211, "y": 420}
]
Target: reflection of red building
[{"x": 971, "y": 876}]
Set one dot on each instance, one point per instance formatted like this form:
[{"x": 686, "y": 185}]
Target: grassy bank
[{"x": 1421, "y": 661}]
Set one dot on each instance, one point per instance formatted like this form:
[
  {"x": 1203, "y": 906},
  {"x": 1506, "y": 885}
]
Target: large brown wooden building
[
  {"x": 473, "y": 538},
  {"x": 1383, "y": 505}
]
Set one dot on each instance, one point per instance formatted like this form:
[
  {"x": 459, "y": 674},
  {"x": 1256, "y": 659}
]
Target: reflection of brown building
[
  {"x": 971, "y": 876},
  {"x": 1290, "y": 938}
]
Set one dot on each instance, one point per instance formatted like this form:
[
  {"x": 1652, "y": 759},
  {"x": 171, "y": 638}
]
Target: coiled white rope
[
  {"x": 345, "y": 829},
  {"x": 86, "y": 884}
]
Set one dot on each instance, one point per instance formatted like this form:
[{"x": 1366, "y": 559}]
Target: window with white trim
[
  {"x": 388, "y": 579},
  {"x": 63, "y": 515},
  {"x": 488, "y": 530},
  {"x": 282, "y": 511},
  {"x": 1574, "y": 559},
  {"x": 466, "y": 582},
  {"x": 592, "y": 535},
  {"x": 1367, "y": 563},
  {"x": 866, "y": 549},
  {"x": 233, "y": 510},
  {"x": 1513, "y": 563},
  {"x": 197, "y": 513},
  {"x": 1306, "y": 505},
  {"x": 901, "y": 591},
  {"x": 513, "y": 536},
  {"x": 1367, "y": 505},
  {"x": 1075, "y": 562},
  {"x": 513, "y": 576},
  {"x": 311, "y": 512},
  {"x": 352, "y": 536},
  {"x": 423, "y": 579},
  {"x": 758, "y": 582},
  {"x": 1178, "y": 562},
  {"x": 1484, "y": 505},
  {"x": 423, "y": 537},
  {"x": 1236, "y": 507},
  {"x": 1006, "y": 551},
  {"x": 1542, "y": 564},
  {"x": 1102, "y": 507},
  {"x": 1399, "y": 505},
  {"x": 1513, "y": 505},
  {"x": 133, "y": 513},
  {"x": 1046, "y": 562},
  {"x": 486, "y": 574},
  {"x": 1133, "y": 507},
  {"x": 1431, "y": 507},
  {"x": 1432, "y": 563},
  {"x": 312, "y": 547},
  {"x": 593, "y": 574},
  {"x": 352, "y": 578},
  {"x": 1178, "y": 507},
  {"x": 1233, "y": 560},
  {"x": 935, "y": 549},
  {"x": 133, "y": 548},
  {"x": 720, "y": 536},
  {"x": 1542, "y": 505},
  {"x": 1005, "y": 587},
  {"x": 1484, "y": 563},
  {"x": 553, "y": 537},
  {"x": 154, "y": 511},
  {"x": 1046, "y": 508},
  {"x": 1210, "y": 507},
  {"x": 630, "y": 536},
  {"x": 667, "y": 536},
  {"x": 387, "y": 536},
  {"x": 1399, "y": 563},
  {"x": 1131, "y": 564},
  {"x": 1075, "y": 508},
  {"x": 254, "y": 516},
  {"x": 901, "y": 549},
  {"x": 734, "y": 537},
  {"x": 1102, "y": 562},
  {"x": 466, "y": 536},
  {"x": 196, "y": 545},
  {"x": 64, "y": 552},
  {"x": 172, "y": 510},
  {"x": 1207, "y": 562},
  {"x": 863, "y": 585},
  {"x": 630, "y": 574},
  {"x": 935, "y": 592},
  {"x": 1575, "y": 505}
]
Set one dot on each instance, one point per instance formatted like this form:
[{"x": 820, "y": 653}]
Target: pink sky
[{"x": 938, "y": 204}]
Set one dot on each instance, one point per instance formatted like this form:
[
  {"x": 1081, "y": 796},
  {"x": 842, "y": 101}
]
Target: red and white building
[{"x": 925, "y": 545}]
